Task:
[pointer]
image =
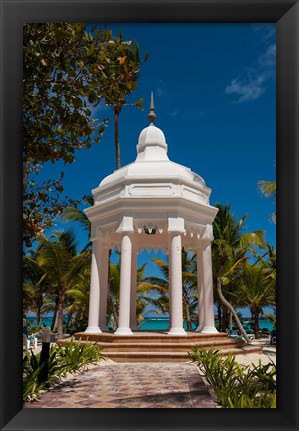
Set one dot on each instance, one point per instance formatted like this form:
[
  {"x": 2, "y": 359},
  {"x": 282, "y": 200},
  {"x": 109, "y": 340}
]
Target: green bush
[
  {"x": 73, "y": 358},
  {"x": 235, "y": 385},
  {"x": 34, "y": 329},
  {"x": 31, "y": 385},
  {"x": 78, "y": 355}
]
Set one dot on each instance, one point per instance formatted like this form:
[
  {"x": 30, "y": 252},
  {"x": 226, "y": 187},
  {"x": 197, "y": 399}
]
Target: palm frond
[{"x": 268, "y": 188}]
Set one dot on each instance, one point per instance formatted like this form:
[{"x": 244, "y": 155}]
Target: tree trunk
[
  {"x": 255, "y": 322},
  {"x": 60, "y": 319},
  {"x": 116, "y": 137},
  {"x": 219, "y": 313},
  {"x": 188, "y": 317},
  {"x": 38, "y": 314},
  {"x": 231, "y": 308},
  {"x": 114, "y": 312},
  {"x": 230, "y": 320},
  {"x": 54, "y": 316},
  {"x": 110, "y": 299},
  {"x": 69, "y": 318},
  {"x": 224, "y": 321}
]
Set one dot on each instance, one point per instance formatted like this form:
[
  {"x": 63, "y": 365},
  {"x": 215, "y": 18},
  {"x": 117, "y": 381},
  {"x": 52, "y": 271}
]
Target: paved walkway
[{"x": 131, "y": 385}]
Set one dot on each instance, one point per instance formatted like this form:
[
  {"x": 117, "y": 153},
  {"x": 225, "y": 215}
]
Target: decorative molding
[
  {"x": 126, "y": 225},
  {"x": 150, "y": 190},
  {"x": 208, "y": 234},
  {"x": 176, "y": 225}
]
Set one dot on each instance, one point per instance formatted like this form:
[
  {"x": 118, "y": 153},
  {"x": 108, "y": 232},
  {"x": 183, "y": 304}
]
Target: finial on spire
[{"x": 152, "y": 116}]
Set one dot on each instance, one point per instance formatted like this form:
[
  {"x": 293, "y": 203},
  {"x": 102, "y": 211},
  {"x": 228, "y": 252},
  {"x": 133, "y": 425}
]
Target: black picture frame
[{"x": 285, "y": 13}]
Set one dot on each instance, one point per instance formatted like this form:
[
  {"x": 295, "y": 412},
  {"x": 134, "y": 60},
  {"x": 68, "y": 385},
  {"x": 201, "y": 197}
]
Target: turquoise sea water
[
  {"x": 31, "y": 321},
  {"x": 163, "y": 324},
  {"x": 149, "y": 324}
]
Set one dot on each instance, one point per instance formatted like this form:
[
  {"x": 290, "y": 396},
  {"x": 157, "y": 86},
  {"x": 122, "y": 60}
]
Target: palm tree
[
  {"x": 271, "y": 316},
  {"x": 229, "y": 248},
  {"x": 127, "y": 67},
  {"x": 232, "y": 270},
  {"x": 113, "y": 290},
  {"x": 142, "y": 300},
  {"x": 63, "y": 267},
  {"x": 78, "y": 298},
  {"x": 35, "y": 284},
  {"x": 256, "y": 291},
  {"x": 268, "y": 189},
  {"x": 76, "y": 215},
  {"x": 189, "y": 280}
]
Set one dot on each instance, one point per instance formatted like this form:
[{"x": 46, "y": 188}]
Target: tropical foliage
[
  {"x": 69, "y": 69},
  {"x": 189, "y": 282},
  {"x": 144, "y": 293},
  {"x": 57, "y": 278},
  {"x": 63, "y": 269},
  {"x": 74, "y": 358},
  {"x": 35, "y": 284},
  {"x": 268, "y": 189},
  {"x": 230, "y": 250},
  {"x": 256, "y": 290},
  {"x": 235, "y": 385}
]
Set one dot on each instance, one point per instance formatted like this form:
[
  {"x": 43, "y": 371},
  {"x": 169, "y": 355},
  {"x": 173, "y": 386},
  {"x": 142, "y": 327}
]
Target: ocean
[
  {"x": 162, "y": 324},
  {"x": 31, "y": 320},
  {"x": 150, "y": 324}
]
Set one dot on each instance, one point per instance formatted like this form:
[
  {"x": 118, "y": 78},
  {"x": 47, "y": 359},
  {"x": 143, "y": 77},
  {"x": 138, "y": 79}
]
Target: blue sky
[{"x": 215, "y": 100}]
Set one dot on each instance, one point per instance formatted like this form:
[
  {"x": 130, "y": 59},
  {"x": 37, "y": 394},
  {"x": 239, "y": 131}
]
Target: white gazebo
[{"x": 152, "y": 203}]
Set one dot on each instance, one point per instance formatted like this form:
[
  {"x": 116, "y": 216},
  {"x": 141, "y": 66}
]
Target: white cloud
[
  {"x": 250, "y": 90},
  {"x": 264, "y": 31},
  {"x": 253, "y": 85},
  {"x": 268, "y": 58}
]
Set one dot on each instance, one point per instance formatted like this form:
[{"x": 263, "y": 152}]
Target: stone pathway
[{"x": 131, "y": 385}]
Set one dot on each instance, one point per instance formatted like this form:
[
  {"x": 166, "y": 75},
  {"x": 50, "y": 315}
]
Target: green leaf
[
  {"x": 91, "y": 97},
  {"x": 139, "y": 103},
  {"x": 77, "y": 102}
]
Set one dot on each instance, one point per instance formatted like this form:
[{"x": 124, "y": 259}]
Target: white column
[
  {"x": 133, "y": 322},
  {"x": 125, "y": 287},
  {"x": 201, "y": 313},
  {"x": 169, "y": 283},
  {"x": 104, "y": 286},
  {"x": 94, "y": 297},
  {"x": 176, "y": 288},
  {"x": 209, "y": 321}
]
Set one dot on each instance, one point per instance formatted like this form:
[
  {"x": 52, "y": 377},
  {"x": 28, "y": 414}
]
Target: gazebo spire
[{"x": 152, "y": 116}]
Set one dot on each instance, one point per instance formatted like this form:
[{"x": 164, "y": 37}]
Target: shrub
[
  {"x": 73, "y": 358},
  {"x": 78, "y": 355},
  {"x": 235, "y": 385},
  {"x": 31, "y": 385}
]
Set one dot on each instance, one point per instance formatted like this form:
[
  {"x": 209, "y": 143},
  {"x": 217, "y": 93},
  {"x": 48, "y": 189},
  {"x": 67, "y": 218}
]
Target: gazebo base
[{"x": 159, "y": 346}]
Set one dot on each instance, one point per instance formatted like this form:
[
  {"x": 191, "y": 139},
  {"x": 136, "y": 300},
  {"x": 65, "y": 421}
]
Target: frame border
[{"x": 14, "y": 13}]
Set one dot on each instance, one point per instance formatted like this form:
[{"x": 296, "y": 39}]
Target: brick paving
[{"x": 131, "y": 385}]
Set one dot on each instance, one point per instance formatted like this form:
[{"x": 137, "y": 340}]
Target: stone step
[
  {"x": 164, "y": 348},
  {"x": 153, "y": 337},
  {"x": 170, "y": 356},
  {"x": 170, "y": 347}
]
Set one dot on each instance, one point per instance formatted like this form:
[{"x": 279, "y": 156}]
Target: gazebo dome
[
  {"x": 152, "y": 164},
  {"x": 151, "y": 135}
]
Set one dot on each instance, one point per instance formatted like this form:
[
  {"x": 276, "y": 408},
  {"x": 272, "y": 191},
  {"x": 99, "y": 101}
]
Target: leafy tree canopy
[{"x": 68, "y": 71}]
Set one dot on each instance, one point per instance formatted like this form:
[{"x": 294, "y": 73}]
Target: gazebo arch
[{"x": 152, "y": 203}]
